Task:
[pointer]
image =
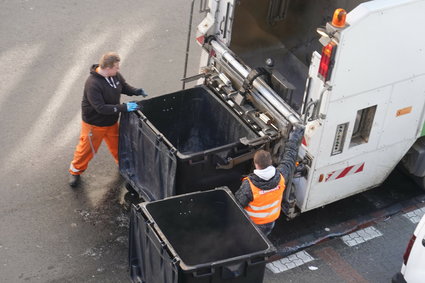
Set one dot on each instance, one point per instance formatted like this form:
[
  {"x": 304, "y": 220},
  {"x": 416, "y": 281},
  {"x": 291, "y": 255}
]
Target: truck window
[{"x": 362, "y": 126}]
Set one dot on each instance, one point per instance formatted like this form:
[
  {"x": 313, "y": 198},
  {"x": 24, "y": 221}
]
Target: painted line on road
[
  {"x": 415, "y": 215},
  {"x": 289, "y": 262},
  {"x": 361, "y": 236},
  {"x": 339, "y": 265}
]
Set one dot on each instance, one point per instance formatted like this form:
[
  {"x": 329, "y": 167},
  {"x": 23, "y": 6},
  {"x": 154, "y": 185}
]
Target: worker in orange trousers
[{"x": 100, "y": 112}]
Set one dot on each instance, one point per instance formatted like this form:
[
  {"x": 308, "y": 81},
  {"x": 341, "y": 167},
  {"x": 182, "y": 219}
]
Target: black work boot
[{"x": 74, "y": 180}]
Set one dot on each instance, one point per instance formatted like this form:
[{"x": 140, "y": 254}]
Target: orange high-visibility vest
[{"x": 266, "y": 205}]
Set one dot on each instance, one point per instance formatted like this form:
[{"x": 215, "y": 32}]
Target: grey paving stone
[
  {"x": 361, "y": 236},
  {"x": 415, "y": 215},
  {"x": 289, "y": 262}
]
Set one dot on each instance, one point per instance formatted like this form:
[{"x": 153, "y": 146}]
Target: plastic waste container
[
  {"x": 183, "y": 142},
  {"x": 196, "y": 237}
]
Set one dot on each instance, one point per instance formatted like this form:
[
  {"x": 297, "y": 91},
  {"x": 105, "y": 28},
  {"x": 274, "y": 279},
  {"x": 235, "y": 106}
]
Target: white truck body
[{"x": 366, "y": 116}]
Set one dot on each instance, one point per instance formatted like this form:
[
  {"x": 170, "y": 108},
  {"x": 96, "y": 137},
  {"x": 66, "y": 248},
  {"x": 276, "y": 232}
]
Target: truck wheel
[{"x": 420, "y": 181}]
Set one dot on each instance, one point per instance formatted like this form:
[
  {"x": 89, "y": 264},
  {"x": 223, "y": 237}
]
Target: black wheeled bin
[
  {"x": 196, "y": 237},
  {"x": 184, "y": 142}
]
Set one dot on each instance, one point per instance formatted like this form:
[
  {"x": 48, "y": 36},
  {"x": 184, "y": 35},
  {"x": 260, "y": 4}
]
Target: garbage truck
[{"x": 356, "y": 81}]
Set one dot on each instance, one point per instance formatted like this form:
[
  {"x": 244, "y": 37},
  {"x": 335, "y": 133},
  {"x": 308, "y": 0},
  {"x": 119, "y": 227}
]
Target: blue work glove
[
  {"x": 132, "y": 106},
  {"x": 297, "y": 132},
  {"x": 141, "y": 92}
]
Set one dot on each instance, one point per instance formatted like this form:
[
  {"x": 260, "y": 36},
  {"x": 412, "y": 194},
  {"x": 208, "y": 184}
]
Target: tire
[{"x": 420, "y": 181}]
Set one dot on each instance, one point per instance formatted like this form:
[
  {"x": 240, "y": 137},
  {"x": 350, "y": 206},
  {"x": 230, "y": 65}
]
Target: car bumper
[{"x": 398, "y": 278}]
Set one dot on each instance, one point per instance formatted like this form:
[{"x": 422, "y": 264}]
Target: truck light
[
  {"x": 408, "y": 249},
  {"x": 304, "y": 142},
  {"x": 326, "y": 60},
  {"x": 338, "y": 19},
  {"x": 201, "y": 39},
  {"x": 403, "y": 111}
]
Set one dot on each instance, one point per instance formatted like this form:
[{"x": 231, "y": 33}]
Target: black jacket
[
  {"x": 101, "y": 98},
  {"x": 285, "y": 167}
]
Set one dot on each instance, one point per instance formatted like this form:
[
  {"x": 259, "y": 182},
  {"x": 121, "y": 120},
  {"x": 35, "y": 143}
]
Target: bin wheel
[
  {"x": 130, "y": 189},
  {"x": 130, "y": 199},
  {"x": 131, "y": 196}
]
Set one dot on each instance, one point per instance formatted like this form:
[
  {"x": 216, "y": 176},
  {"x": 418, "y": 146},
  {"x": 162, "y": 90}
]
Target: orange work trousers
[{"x": 90, "y": 139}]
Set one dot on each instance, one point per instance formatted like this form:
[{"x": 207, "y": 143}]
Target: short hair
[
  {"x": 109, "y": 59},
  {"x": 262, "y": 159}
]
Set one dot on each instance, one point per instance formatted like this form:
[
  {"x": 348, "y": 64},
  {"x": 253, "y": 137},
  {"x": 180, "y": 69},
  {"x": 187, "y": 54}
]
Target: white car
[{"x": 413, "y": 268}]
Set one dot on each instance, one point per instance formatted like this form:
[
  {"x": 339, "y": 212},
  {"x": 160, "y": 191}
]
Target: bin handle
[
  {"x": 235, "y": 161},
  {"x": 198, "y": 274},
  {"x": 256, "y": 141},
  {"x": 257, "y": 260},
  {"x": 191, "y": 162}
]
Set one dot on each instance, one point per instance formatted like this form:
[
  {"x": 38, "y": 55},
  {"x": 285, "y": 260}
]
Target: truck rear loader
[{"x": 356, "y": 80}]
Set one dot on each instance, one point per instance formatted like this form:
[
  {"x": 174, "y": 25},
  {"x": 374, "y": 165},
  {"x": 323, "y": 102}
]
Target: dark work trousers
[{"x": 266, "y": 228}]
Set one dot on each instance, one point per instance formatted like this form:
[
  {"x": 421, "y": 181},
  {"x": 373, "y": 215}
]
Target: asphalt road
[
  {"x": 375, "y": 260},
  {"x": 51, "y": 233}
]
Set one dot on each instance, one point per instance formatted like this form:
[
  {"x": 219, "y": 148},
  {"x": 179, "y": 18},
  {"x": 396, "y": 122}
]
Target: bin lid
[{"x": 206, "y": 228}]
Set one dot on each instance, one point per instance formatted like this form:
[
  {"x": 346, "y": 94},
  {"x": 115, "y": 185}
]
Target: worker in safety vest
[
  {"x": 261, "y": 192},
  {"x": 100, "y": 112}
]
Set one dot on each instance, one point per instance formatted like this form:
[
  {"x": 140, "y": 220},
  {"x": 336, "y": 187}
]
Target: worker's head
[
  {"x": 110, "y": 63},
  {"x": 262, "y": 159}
]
